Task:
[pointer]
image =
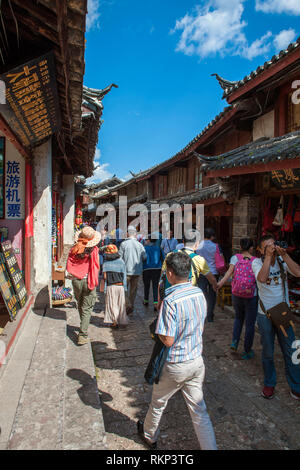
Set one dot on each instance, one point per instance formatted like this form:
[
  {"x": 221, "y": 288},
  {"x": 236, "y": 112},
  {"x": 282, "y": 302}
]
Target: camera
[{"x": 282, "y": 244}]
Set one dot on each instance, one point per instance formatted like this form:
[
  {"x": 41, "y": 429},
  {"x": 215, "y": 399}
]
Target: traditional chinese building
[
  {"x": 49, "y": 125},
  {"x": 243, "y": 161}
]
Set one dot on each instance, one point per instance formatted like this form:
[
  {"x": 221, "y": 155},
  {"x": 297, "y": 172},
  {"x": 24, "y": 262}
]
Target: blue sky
[{"x": 161, "y": 54}]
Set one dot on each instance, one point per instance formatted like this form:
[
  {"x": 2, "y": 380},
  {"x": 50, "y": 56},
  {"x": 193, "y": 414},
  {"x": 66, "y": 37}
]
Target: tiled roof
[
  {"x": 260, "y": 151},
  {"x": 229, "y": 87}
]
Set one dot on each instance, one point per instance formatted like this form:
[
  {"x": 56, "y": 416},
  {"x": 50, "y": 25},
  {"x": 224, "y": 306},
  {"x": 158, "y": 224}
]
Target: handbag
[
  {"x": 288, "y": 219},
  {"x": 158, "y": 357},
  {"x": 278, "y": 219},
  {"x": 280, "y": 315},
  {"x": 267, "y": 224},
  {"x": 219, "y": 261}
]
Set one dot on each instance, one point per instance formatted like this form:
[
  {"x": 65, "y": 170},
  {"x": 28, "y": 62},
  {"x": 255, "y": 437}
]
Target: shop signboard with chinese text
[
  {"x": 286, "y": 179},
  {"x": 32, "y": 105},
  {"x": 7, "y": 291},
  {"x": 14, "y": 184},
  {"x": 14, "y": 272}
]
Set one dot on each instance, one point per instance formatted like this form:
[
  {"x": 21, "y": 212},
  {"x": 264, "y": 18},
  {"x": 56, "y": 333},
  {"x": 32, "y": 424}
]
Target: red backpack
[{"x": 243, "y": 282}]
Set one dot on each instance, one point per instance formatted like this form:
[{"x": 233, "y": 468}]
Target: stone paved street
[{"x": 242, "y": 419}]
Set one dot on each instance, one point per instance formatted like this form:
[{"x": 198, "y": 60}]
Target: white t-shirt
[
  {"x": 271, "y": 292},
  {"x": 233, "y": 260}
]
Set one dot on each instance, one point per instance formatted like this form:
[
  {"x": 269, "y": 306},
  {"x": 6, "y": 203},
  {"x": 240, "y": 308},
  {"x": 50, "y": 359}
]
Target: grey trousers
[{"x": 188, "y": 377}]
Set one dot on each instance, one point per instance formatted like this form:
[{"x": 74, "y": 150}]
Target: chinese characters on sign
[
  {"x": 12, "y": 189},
  {"x": 31, "y": 94},
  {"x": 286, "y": 179},
  {"x": 14, "y": 185}
]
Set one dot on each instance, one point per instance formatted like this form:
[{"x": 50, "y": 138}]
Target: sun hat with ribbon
[{"x": 86, "y": 238}]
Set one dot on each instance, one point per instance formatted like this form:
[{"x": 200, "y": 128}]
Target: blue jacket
[{"x": 154, "y": 257}]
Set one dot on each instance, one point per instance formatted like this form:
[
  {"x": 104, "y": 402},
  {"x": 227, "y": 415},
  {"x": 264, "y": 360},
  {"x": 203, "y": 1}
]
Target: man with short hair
[
  {"x": 180, "y": 326},
  {"x": 268, "y": 271},
  {"x": 133, "y": 253}
]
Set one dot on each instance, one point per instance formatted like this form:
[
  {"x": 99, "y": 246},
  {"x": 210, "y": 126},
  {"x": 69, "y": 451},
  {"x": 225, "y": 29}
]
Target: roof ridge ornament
[{"x": 224, "y": 83}]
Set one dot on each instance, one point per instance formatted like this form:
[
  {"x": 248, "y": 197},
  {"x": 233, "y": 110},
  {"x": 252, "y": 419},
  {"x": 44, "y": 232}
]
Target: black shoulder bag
[{"x": 281, "y": 315}]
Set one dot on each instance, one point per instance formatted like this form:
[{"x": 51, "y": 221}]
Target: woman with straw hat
[
  {"x": 83, "y": 266},
  {"x": 114, "y": 272}
]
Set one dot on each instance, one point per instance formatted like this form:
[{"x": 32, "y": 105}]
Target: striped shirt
[{"x": 182, "y": 317}]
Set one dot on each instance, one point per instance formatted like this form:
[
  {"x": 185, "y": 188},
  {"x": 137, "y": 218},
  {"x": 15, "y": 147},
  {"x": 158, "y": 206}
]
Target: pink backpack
[
  {"x": 219, "y": 261},
  {"x": 243, "y": 282}
]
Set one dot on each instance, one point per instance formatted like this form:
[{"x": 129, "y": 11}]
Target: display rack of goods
[{"x": 61, "y": 295}]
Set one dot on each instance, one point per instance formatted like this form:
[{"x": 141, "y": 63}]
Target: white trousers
[{"x": 188, "y": 377}]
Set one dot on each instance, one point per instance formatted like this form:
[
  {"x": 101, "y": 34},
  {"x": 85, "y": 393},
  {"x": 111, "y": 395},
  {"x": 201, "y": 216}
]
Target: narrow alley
[{"x": 232, "y": 386}]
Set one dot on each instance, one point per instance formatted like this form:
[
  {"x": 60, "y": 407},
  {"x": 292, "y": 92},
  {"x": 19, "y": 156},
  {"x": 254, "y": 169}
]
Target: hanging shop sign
[
  {"x": 286, "y": 179},
  {"x": 7, "y": 290},
  {"x": 32, "y": 105},
  {"x": 14, "y": 272}
]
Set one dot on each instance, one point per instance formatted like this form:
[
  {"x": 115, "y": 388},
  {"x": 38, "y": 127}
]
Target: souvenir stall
[
  {"x": 280, "y": 217},
  {"x": 60, "y": 294}
]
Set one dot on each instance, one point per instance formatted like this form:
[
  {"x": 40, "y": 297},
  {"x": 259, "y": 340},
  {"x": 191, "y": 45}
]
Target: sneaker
[
  {"x": 248, "y": 355},
  {"x": 295, "y": 395},
  {"x": 82, "y": 340},
  {"x": 146, "y": 303},
  {"x": 234, "y": 345},
  {"x": 140, "y": 430},
  {"x": 268, "y": 392}
]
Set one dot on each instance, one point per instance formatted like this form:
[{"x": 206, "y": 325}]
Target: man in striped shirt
[{"x": 179, "y": 327}]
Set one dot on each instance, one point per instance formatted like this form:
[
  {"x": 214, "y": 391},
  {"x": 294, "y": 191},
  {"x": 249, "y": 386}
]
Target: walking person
[
  {"x": 180, "y": 327},
  {"x": 200, "y": 275},
  {"x": 114, "y": 272},
  {"x": 271, "y": 275},
  {"x": 244, "y": 296},
  {"x": 83, "y": 267},
  {"x": 208, "y": 249},
  {"x": 169, "y": 244},
  {"x": 151, "y": 271},
  {"x": 133, "y": 254}
]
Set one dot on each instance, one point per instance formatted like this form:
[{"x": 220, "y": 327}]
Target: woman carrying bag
[
  {"x": 244, "y": 296},
  {"x": 83, "y": 267},
  {"x": 114, "y": 272}
]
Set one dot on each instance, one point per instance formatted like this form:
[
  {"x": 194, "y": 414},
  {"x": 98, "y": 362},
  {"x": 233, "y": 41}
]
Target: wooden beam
[
  {"x": 264, "y": 76},
  {"x": 62, "y": 16},
  {"x": 9, "y": 134},
  {"x": 39, "y": 12},
  {"x": 259, "y": 168}
]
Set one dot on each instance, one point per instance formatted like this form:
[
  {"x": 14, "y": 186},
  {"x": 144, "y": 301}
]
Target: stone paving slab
[
  {"x": 83, "y": 419},
  {"x": 242, "y": 419}
]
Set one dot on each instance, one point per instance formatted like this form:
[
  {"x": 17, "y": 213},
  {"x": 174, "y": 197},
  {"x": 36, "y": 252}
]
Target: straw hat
[{"x": 90, "y": 234}]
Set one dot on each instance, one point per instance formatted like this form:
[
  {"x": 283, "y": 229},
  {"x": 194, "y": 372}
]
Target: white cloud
[
  {"x": 92, "y": 19},
  {"x": 258, "y": 47},
  {"x": 218, "y": 28},
  {"x": 291, "y": 7},
  {"x": 100, "y": 174},
  {"x": 215, "y": 27},
  {"x": 284, "y": 38}
]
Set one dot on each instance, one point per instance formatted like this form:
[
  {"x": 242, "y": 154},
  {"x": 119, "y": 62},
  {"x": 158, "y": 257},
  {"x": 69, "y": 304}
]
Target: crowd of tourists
[{"x": 185, "y": 276}]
